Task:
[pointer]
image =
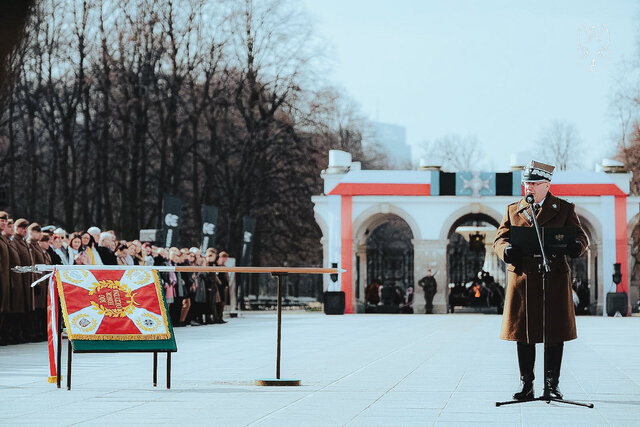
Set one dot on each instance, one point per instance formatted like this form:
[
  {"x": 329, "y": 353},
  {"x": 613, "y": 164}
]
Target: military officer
[
  {"x": 18, "y": 292},
  {"x": 22, "y": 247},
  {"x": 522, "y": 320},
  {"x": 5, "y": 283},
  {"x": 39, "y": 256}
]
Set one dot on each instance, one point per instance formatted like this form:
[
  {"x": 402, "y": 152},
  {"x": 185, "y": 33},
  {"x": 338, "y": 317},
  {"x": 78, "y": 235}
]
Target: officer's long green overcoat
[{"x": 522, "y": 318}]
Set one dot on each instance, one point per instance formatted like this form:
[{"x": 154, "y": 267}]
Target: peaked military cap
[
  {"x": 21, "y": 223},
  {"x": 48, "y": 229},
  {"x": 537, "y": 171}
]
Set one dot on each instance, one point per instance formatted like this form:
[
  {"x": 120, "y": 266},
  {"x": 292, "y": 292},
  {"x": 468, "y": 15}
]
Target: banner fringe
[{"x": 119, "y": 337}]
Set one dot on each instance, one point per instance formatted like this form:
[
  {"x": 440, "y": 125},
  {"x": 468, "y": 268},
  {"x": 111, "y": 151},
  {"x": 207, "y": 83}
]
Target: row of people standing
[
  {"x": 23, "y": 307},
  {"x": 195, "y": 298}
]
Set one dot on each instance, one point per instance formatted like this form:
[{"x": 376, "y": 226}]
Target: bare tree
[
  {"x": 624, "y": 107},
  {"x": 453, "y": 152},
  {"x": 119, "y": 102},
  {"x": 559, "y": 144},
  {"x": 14, "y": 16},
  {"x": 338, "y": 124}
]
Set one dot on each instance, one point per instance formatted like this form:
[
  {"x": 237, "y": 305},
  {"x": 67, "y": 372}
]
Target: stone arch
[
  {"x": 324, "y": 228},
  {"x": 365, "y": 223},
  {"x": 458, "y": 218},
  {"x": 324, "y": 241},
  {"x": 633, "y": 222},
  {"x": 472, "y": 208},
  {"x": 591, "y": 224},
  {"x": 634, "y": 276},
  {"x": 375, "y": 216}
]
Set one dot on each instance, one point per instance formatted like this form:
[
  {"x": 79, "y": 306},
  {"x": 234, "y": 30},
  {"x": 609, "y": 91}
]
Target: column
[
  {"x": 361, "y": 253},
  {"x": 324, "y": 241}
]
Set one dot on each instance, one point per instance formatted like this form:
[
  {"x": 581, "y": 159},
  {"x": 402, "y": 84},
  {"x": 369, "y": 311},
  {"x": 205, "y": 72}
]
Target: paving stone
[{"x": 356, "y": 370}]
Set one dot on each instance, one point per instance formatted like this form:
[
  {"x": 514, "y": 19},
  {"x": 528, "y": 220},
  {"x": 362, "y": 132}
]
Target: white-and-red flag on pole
[{"x": 52, "y": 327}]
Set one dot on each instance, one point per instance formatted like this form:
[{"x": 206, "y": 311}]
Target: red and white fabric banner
[{"x": 112, "y": 304}]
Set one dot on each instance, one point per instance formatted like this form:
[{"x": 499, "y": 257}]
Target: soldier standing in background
[
  {"x": 34, "y": 234},
  {"x": 5, "y": 283},
  {"x": 18, "y": 293},
  {"x": 21, "y": 246},
  {"x": 430, "y": 287}
]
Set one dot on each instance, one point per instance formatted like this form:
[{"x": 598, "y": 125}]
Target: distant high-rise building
[{"x": 392, "y": 140}]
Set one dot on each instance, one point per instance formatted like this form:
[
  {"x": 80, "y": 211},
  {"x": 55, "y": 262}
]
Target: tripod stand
[{"x": 544, "y": 269}]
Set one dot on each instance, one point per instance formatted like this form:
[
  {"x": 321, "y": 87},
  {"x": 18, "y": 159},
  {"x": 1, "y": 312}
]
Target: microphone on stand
[{"x": 530, "y": 199}]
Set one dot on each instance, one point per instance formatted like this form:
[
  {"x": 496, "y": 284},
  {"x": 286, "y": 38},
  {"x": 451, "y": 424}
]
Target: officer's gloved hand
[
  {"x": 512, "y": 254},
  {"x": 574, "y": 249}
]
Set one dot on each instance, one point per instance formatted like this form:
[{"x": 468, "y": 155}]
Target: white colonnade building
[{"x": 434, "y": 204}]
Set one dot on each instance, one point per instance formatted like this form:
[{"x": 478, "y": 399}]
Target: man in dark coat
[
  {"x": 430, "y": 287},
  {"x": 223, "y": 287},
  {"x": 522, "y": 320},
  {"x": 5, "y": 283},
  {"x": 105, "y": 245},
  {"x": 20, "y": 244},
  {"x": 19, "y": 296},
  {"x": 53, "y": 255},
  {"x": 39, "y": 256}
]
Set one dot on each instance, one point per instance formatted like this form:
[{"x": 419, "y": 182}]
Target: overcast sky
[{"x": 499, "y": 70}]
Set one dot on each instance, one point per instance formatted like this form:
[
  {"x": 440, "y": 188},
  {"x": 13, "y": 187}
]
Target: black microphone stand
[{"x": 544, "y": 269}]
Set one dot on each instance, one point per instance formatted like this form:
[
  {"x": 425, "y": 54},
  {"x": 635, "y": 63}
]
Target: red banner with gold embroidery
[{"x": 112, "y": 304}]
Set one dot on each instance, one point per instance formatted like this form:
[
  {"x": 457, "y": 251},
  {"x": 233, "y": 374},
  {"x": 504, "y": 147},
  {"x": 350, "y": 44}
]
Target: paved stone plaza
[{"x": 360, "y": 370}]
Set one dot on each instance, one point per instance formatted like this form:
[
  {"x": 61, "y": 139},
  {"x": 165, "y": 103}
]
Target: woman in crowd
[
  {"x": 175, "y": 289},
  {"x": 90, "y": 245},
  {"x": 147, "y": 254},
  {"x": 122, "y": 253},
  {"x": 128, "y": 258},
  {"x": 223, "y": 286},
  {"x": 198, "y": 291},
  {"x": 75, "y": 243},
  {"x": 135, "y": 252},
  {"x": 211, "y": 287}
]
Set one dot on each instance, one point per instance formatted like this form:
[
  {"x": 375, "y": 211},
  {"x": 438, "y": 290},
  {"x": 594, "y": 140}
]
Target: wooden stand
[{"x": 169, "y": 348}]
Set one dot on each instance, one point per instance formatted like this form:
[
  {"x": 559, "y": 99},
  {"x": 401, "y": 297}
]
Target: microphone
[{"x": 529, "y": 198}]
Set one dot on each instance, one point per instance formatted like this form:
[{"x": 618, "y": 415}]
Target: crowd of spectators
[{"x": 193, "y": 298}]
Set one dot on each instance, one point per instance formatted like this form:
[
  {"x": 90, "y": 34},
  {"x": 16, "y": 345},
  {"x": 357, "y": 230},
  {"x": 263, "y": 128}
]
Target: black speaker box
[
  {"x": 334, "y": 302},
  {"x": 616, "y": 301}
]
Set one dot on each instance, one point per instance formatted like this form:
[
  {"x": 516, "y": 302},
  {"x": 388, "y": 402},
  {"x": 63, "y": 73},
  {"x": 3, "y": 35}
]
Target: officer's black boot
[
  {"x": 526, "y": 361},
  {"x": 552, "y": 375}
]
